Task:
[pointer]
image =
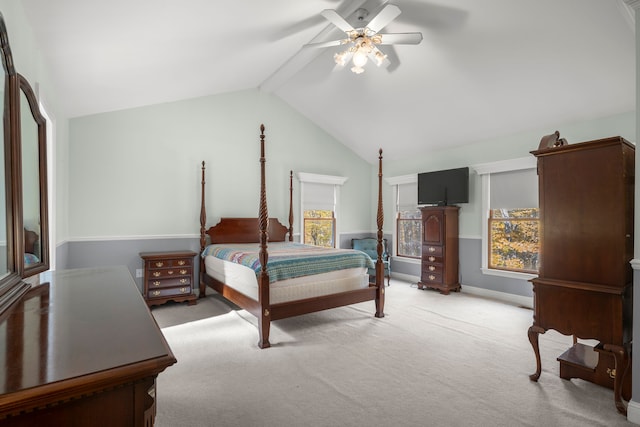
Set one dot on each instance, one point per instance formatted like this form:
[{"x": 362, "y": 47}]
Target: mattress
[{"x": 243, "y": 279}]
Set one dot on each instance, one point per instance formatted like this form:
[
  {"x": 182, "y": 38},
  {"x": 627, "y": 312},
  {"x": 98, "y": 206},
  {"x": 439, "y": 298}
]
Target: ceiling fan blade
[
  {"x": 386, "y": 15},
  {"x": 337, "y": 20},
  {"x": 327, "y": 44},
  {"x": 401, "y": 38}
]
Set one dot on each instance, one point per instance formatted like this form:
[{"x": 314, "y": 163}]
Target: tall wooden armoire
[
  {"x": 440, "y": 249},
  {"x": 584, "y": 286}
]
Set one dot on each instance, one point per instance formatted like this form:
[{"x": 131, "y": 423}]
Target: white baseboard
[
  {"x": 487, "y": 293},
  {"x": 633, "y": 412}
]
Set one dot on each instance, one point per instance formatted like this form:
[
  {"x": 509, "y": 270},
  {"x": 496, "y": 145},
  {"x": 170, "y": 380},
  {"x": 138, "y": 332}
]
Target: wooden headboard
[{"x": 245, "y": 230}]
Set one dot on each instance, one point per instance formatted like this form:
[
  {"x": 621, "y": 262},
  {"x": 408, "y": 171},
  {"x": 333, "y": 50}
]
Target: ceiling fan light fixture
[
  {"x": 379, "y": 58},
  {"x": 360, "y": 58},
  {"x": 340, "y": 58},
  {"x": 363, "y": 41}
]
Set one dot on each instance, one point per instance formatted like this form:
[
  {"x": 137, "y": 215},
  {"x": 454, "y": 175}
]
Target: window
[
  {"x": 408, "y": 221},
  {"x": 319, "y": 228},
  {"x": 319, "y": 200},
  {"x": 408, "y": 226},
  {"x": 511, "y": 231},
  {"x": 514, "y": 240}
]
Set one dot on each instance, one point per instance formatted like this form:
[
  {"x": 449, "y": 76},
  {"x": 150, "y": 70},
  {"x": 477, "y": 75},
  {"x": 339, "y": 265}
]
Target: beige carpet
[{"x": 434, "y": 360}]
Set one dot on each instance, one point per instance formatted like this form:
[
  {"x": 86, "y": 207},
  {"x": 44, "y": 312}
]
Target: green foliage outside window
[
  {"x": 514, "y": 239},
  {"x": 319, "y": 226}
]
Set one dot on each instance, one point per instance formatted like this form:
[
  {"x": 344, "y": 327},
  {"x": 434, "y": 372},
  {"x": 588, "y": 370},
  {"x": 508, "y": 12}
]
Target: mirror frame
[
  {"x": 12, "y": 287},
  {"x": 41, "y": 123}
]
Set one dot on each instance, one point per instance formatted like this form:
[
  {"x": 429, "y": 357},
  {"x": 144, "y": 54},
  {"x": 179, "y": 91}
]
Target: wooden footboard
[{"x": 263, "y": 230}]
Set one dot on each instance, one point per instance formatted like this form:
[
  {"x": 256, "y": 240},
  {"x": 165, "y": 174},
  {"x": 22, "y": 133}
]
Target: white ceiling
[{"x": 485, "y": 68}]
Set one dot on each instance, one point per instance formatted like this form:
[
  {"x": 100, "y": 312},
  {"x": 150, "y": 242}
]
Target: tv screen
[{"x": 445, "y": 187}]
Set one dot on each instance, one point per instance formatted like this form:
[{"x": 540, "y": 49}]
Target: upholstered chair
[{"x": 369, "y": 245}]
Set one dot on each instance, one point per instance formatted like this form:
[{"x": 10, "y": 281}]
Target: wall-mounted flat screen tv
[{"x": 444, "y": 187}]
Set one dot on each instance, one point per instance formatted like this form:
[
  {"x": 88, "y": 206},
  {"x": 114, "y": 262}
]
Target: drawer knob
[
  {"x": 432, "y": 277},
  {"x": 159, "y": 264},
  {"x": 431, "y": 268},
  {"x": 184, "y": 290},
  {"x": 182, "y": 262},
  {"x": 156, "y": 273},
  {"x": 431, "y": 258},
  {"x": 183, "y": 281},
  {"x": 156, "y": 283},
  {"x": 183, "y": 271},
  {"x": 431, "y": 249},
  {"x": 155, "y": 293}
]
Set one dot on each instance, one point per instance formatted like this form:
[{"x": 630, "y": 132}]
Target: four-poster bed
[{"x": 234, "y": 251}]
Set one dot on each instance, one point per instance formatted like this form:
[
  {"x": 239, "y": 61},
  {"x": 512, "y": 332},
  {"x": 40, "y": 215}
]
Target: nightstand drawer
[
  {"x": 165, "y": 292},
  {"x": 168, "y": 283},
  {"x": 161, "y": 273},
  {"x": 166, "y": 263}
]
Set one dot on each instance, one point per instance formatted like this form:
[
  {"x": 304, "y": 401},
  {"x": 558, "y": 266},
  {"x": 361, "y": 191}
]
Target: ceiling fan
[{"x": 363, "y": 41}]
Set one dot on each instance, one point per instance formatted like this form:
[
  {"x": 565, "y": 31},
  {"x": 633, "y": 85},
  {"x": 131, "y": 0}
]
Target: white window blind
[
  {"x": 514, "y": 189},
  {"x": 407, "y": 197},
  {"x": 319, "y": 197}
]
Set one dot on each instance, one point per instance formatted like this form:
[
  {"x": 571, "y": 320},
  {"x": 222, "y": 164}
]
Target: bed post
[
  {"x": 291, "y": 206},
  {"x": 379, "y": 266},
  {"x": 203, "y": 239},
  {"x": 264, "y": 319}
]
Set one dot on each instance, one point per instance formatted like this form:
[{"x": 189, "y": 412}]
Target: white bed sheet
[{"x": 243, "y": 279}]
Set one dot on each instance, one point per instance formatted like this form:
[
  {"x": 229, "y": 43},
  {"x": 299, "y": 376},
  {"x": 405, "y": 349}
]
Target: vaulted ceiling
[{"x": 485, "y": 68}]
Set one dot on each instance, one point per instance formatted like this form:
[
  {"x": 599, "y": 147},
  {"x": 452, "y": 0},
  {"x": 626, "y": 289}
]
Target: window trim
[{"x": 484, "y": 170}]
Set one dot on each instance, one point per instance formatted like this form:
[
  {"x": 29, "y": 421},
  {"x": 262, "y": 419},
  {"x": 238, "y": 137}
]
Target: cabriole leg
[
  {"x": 534, "y": 332},
  {"x": 621, "y": 357}
]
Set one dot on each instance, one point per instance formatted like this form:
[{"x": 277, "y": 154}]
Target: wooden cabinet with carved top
[
  {"x": 168, "y": 276},
  {"x": 584, "y": 286}
]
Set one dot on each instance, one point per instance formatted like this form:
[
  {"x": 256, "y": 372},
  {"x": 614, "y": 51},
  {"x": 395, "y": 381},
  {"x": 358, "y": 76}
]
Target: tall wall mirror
[{"x": 23, "y": 194}]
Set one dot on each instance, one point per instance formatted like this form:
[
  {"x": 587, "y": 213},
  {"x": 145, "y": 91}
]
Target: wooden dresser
[
  {"x": 440, "y": 249},
  {"x": 584, "y": 286},
  {"x": 168, "y": 276},
  {"x": 81, "y": 350}
]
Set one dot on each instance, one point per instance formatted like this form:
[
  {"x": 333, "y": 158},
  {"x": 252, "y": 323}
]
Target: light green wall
[
  {"x": 137, "y": 172},
  {"x": 501, "y": 148}
]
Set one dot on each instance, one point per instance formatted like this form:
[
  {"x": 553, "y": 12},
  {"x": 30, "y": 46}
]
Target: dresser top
[{"x": 81, "y": 326}]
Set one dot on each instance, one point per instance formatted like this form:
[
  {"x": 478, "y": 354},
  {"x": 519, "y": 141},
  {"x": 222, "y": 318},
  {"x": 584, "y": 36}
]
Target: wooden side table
[{"x": 168, "y": 276}]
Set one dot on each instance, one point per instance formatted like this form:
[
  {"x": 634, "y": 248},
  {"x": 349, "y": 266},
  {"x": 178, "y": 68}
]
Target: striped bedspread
[{"x": 288, "y": 260}]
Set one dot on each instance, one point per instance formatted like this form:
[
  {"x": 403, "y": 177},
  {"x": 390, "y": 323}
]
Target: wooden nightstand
[{"x": 168, "y": 276}]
